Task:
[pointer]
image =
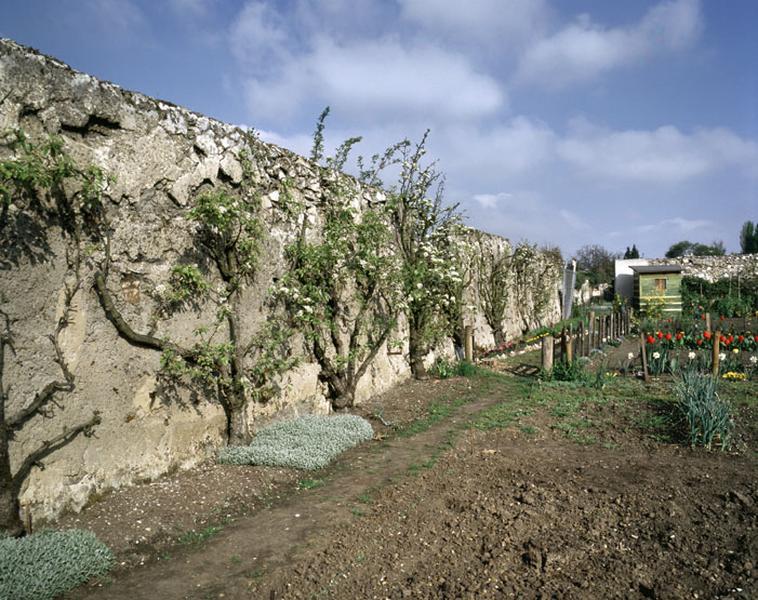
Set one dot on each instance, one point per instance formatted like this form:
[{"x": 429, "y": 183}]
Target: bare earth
[{"x": 529, "y": 503}]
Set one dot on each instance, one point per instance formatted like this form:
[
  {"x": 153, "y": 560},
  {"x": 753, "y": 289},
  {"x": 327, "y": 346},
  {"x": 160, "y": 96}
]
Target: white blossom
[
  {"x": 691, "y": 356},
  {"x": 630, "y": 356},
  {"x": 656, "y": 355},
  {"x": 722, "y": 356}
]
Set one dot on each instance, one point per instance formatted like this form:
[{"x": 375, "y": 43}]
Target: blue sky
[{"x": 563, "y": 122}]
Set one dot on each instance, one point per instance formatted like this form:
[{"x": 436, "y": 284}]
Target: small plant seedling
[{"x": 310, "y": 484}]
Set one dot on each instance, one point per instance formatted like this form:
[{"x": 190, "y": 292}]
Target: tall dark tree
[
  {"x": 596, "y": 263},
  {"x": 749, "y": 238},
  {"x": 687, "y": 248}
]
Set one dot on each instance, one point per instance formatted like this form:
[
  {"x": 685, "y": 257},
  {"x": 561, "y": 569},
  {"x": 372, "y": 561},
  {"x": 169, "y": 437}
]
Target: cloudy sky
[{"x": 564, "y": 122}]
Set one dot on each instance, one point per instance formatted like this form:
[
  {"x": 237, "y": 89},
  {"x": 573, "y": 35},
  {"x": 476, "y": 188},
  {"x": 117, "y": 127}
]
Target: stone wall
[
  {"x": 713, "y": 268},
  {"x": 162, "y": 156}
]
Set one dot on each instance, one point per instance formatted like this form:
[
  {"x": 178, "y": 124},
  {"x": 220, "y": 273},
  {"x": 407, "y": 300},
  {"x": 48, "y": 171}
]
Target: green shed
[{"x": 653, "y": 282}]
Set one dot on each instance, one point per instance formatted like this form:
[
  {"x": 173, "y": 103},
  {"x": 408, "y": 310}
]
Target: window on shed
[{"x": 660, "y": 285}]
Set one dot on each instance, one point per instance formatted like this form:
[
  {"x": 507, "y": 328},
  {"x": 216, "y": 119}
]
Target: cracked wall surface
[{"x": 162, "y": 156}]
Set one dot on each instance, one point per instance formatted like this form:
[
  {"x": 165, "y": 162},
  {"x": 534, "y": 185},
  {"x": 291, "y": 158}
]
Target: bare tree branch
[
  {"x": 125, "y": 330},
  {"x": 50, "y": 446}
]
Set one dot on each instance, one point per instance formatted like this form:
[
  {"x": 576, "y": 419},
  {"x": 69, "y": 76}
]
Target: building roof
[{"x": 644, "y": 269}]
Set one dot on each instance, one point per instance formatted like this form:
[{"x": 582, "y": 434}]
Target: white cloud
[
  {"x": 485, "y": 154},
  {"x": 490, "y": 200},
  {"x": 500, "y": 23},
  {"x": 299, "y": 143},
  {"x": 525, "y": 214},
  {"x": 679, "y": 223},
  {"x": 259, "y": 38},
  {"x": 663, "y": 155},
  {"x": 583, "y": 50},
  {"x": 381, "y": 77}
]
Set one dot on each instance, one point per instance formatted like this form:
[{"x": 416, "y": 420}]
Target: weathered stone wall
[
  {"x": 713, "y": 268},
  {"x": 162, "y": 156}
]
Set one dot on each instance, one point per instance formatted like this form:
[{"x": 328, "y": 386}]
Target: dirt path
[{"x": 273, "y": 537}]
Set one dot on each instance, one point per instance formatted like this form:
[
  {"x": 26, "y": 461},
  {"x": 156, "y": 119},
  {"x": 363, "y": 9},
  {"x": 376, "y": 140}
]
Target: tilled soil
[
  {"x": 502, "y": 517},
  {"x": 455, "y": 512}
]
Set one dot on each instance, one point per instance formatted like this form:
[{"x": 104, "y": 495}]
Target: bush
[
  {"x": 566, "y": 371},
  {"x": 307, "y": 442},
  {"x": 47, "y": 564},
  {"x": 444, "y": 369},
  {"x": 708, "y": 417}
]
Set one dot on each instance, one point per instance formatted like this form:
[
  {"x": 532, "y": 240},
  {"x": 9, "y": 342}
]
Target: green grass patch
[
  {"x": 310, "y": 484},
  {"x": 437, "y": 411},
  {"x": 501, "y": 415},
  {"x": 196, "y": 538}
]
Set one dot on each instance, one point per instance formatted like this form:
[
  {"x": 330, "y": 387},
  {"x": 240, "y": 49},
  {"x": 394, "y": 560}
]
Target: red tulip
[
  {"x": 741, "y": 339},
  {"x": 668, "y": 337},
  {"x": 650, "y": 339},
  {"x": 700, "y": 342},
  {"x": 679, "y": 335},
  {"x": 660, "y": 335},
  {"x": 707, "y": 335}
]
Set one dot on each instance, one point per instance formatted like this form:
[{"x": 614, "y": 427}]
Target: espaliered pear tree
[
  {"x": 342, "y": 288},
  {"x": 222, "y": 362},
  {"x": 42, "y": 193},
  {"x": 425, "y": 230}
]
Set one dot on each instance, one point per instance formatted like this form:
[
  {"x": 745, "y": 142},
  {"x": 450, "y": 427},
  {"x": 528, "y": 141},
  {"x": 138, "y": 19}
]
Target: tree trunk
[
  {"x": 10, "y": 519},
  {"x": 346, "y": 398},
  {"x": 417, "y": 353},
  {"x": 237, "y": 426},
  {"x": 499, "y": 335}
]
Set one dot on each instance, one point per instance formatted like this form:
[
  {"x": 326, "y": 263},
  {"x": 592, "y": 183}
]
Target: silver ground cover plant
[
  {"x": 307, "y": 442},
  {"x": 44, "y": 565}
]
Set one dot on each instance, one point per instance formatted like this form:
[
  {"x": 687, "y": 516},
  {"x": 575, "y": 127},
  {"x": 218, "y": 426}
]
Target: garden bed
[{"x": 487, "y": 486}]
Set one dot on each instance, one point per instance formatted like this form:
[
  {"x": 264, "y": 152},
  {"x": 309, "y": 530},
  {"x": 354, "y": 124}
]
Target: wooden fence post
[
  {"x": 591, "y": 332},
  {"x": 563, "y": 344},
  {"x": 716, "y": 349},
  {"x": 468, "y": 341},
  {"x": 547, "y": 353},
  {"x": 643, "y": 353},
  {"x": 580, "y": 339},
  {"x": 570, "y": 346}
]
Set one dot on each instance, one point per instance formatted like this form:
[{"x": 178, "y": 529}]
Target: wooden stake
[
  {"x": 547, "y": 353},
  {"x": 563, "y": 344},
  {"x": 591, "y": 331},
  {"x": 569, "y": 347},
  {"x": 716, "y": 348},
  {"x": 643, "y": 353},
  {"x": 468, "y": 340},
  {"x": 707, "y": 321}
]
